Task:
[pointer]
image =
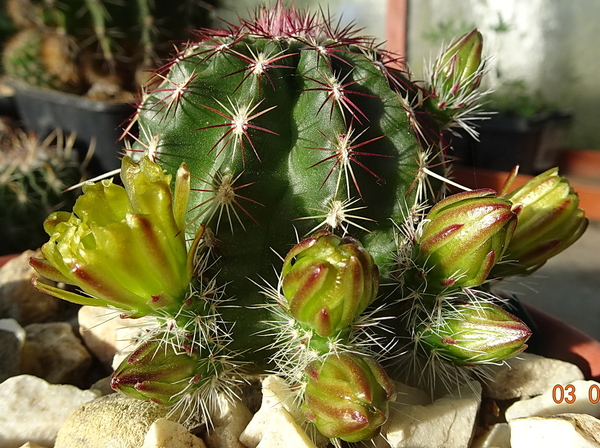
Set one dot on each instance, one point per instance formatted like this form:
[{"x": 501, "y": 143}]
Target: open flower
[
  {"x": 475, "y": 333},
  {"x": 328, "y": 281},
  {"x": 549, "y": 221},
  {"x": 463, "y": 237},
  {"x": 122, "y": 246},
  {"x": 347, "y": 396}
]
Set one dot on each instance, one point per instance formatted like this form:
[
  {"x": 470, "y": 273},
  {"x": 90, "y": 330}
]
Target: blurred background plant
[
  {"x": 33, "y": 176},
  {"x": 103, "y": 49}
]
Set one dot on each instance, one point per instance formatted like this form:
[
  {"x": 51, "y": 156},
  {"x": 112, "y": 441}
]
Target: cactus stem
[
  {"x": 344, "y": 153},
  {"x": 225, "y": 197},
  {"x": 239, "y": 122}
]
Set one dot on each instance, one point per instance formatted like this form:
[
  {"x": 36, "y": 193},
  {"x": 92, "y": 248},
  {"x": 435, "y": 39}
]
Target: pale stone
[
  {"x": 164, "y": 433},
  {"x": 110, "y": 421},
  {"x": 560, "y": 431},
  {"x": 19, "y": 299},
  {"x": 278, "y": 421},
  {"x": 105, "y": 333},
  {"x": 579, "y": 397},
  {"x": 53, "y": 352},
  {"x": 33, "y": 410},
  {"x": 498, "y": 436},
  {"x": 528, "y": 375},
  {"x": 228, "y": 423},
  {"x": 32, "y": 445},
  {"x": 12, "y": 336},
  {"x": 411, "y": 395},
  {"x": 448, "y": 422}
]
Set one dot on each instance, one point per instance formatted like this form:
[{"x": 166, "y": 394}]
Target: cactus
[
  {"x": 300, "y": 147},
  {"x": 33, "y": 175},
  {"x": 80, "y": 45}
]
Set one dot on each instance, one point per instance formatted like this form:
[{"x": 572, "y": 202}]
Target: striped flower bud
[
  {"x": 463, "y": 237},
  {"x": 328, "y": 281},
  {"x": 475, "y": 333},
  {"x": 549, "y": 221},
  {"x": 455, "y": 75},
  {"x": 122, "y": 246},
  {"x": 347, "y": 396},
  {"x": 156, "y": 372}
]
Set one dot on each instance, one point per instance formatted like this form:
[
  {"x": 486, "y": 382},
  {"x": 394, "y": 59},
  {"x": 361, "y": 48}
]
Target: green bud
[
  {"x": 347, "y": 396},
  {"x": 462, "y": 238},
  {"x": 455, "y": 75},
  {"x": 549, "y": 221},
  {"x": 475, "y": 333},
  {"x": 155, "y": 372},
  {"x": 328, "y": 281},
  {"x": 122, "y": 246}
]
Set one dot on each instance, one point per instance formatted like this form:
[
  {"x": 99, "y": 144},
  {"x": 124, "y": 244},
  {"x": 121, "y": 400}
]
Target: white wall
[{"x": 553, "y": 46}]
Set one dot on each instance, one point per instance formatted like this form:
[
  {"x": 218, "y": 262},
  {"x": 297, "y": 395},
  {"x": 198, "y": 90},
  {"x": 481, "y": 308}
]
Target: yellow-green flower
[{"x": 122, "y": 246}]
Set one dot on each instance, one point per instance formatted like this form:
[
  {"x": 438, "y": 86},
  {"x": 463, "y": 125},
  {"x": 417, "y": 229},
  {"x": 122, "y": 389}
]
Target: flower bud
[
  {"x": 463, "y": 237},
  {"x": 455, "y": 75},
  {"x": 475, "y": 333},
  {"x": 347, "y": 396},
  {"x": 328, "y": 281},
  {"x": 157, "y": 373},
  {"x": 121, "y": 246},
  {"x": 549, "y": 221}
]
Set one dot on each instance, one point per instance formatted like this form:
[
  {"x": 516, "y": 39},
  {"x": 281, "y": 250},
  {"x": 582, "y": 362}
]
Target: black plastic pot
[
  {"x": 44, "y": 110},
  {"x": 533, "y": 142}
]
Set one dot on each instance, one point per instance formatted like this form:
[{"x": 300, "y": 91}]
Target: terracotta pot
[{"x": 567, "y": 343}]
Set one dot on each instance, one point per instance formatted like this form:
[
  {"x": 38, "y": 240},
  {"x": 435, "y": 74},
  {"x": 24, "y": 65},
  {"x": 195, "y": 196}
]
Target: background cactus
[
  {"x": 33, "y": 176},
  {"x": 289, "y": 135},
  {"x": 95, "y": 46}
]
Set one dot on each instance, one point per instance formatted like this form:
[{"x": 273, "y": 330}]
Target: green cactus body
[{"x": 283, "y": 135}]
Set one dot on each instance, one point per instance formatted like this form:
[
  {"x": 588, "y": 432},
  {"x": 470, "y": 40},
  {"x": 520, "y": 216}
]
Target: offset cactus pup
[{"x": 288, "y": 135}]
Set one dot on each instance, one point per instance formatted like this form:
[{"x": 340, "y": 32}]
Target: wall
[
  {"x": 551, "y": 46},
  {"x": 367, "y": 14}
]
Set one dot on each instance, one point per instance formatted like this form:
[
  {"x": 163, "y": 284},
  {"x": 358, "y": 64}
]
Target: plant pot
[
  {"x": 44, "y": 110},
  {"x": 533, "y": 143}
]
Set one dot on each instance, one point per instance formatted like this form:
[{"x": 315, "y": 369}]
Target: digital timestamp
[{"x": 570, "y": 394}]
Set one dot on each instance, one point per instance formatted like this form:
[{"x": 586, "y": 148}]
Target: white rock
[
  {"x": 411, "y": 395},
  {"x": 33, "y": 410},
  {"x": 110, "y": 421},
  {"x": 105, "y": 333},
  {"x": 54, "y": 353},
  {"x": 19, "y": 299},
  {"x": 448, "y": 422},
  {"x": 561, "y": 431},
  {"x": 32, "y": 445},
  {"x": 228, "y": 424},
  {"x": 12, "y": 336},
  {"x": 498, "y": 436},
  {"x": 585, "y": 393},
  {"x": 528, "y": 375},
  {"x": 13, "y": 326},
  {"x": 276, "y": 424},
  {"x": 164, "y": 433}
]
